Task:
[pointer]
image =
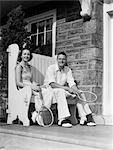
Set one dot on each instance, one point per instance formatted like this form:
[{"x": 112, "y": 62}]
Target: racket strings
[
  {"x": 45, "y": 117},
  {"x": 87, "y": 96}
]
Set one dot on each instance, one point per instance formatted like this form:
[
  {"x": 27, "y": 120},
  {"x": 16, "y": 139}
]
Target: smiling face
[
  {"x": 61, "y": 59},
  {"x": 25, "y": 55}
]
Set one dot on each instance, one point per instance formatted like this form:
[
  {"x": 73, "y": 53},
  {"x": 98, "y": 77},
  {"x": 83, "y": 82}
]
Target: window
[{"x": 43, "y": 32}]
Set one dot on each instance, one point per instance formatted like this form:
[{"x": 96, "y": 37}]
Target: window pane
[
  {"x": 41, "y": 39},
  {"x": 49, "y": 24},
  {"x": 34, "y": 28},
  {"x": 49, "y": 38},
  {"x": 33, "y": 39},
  {"x": 41, "y": 26}
]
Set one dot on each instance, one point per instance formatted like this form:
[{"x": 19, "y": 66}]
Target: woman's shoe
[{"x": 34, "y": 116}]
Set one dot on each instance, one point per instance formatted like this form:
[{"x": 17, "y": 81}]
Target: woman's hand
[
  {"x": 35, "y": 88},
  {"x": 36, "y": 83}
]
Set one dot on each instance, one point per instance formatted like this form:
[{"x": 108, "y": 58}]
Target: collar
[{"x": 57, "y": 68}]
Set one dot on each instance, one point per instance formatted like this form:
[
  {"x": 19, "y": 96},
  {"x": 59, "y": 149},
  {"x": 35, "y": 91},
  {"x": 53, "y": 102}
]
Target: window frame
[{"x": 44, "y": 16}]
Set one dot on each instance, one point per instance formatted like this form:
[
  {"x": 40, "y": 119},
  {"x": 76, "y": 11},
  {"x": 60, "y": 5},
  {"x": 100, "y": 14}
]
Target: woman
[{"x": 27, "y": 88}]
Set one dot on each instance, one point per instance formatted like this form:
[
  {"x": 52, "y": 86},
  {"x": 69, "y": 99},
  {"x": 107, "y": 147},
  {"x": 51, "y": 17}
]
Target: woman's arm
[
  {"x": 19, "y": 83},
  {"x": 18, "y": 76}
]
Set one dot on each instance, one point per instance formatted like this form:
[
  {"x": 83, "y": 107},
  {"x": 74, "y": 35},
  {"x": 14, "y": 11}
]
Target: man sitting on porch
[{"x": 57, "y": 76}]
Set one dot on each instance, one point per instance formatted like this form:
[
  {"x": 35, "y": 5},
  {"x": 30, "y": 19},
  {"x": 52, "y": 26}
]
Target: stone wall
[
  {"x": 83, "y": 43},
  {"x": 3, "y": 87}
]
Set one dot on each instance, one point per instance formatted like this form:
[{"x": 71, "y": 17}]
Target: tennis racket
[
  {"x": 45, "y": 117},
  {"x": 87, "y": 96}
]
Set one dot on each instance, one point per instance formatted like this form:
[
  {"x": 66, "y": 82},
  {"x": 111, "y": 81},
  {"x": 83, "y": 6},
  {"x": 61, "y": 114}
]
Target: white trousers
[
  {"x": 51, "y": 96},
  {"x": 58, "y": 95},
  {"x": 19, "y": 105}
]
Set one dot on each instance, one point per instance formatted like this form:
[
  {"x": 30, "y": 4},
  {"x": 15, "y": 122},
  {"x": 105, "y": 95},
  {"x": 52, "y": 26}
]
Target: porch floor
[{"x": 100, "y": 137}]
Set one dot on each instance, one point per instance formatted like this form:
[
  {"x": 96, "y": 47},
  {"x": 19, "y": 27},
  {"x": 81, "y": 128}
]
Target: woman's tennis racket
[
  {"x": 87, "y": 96},
  {"x": 45, "y": 117}
]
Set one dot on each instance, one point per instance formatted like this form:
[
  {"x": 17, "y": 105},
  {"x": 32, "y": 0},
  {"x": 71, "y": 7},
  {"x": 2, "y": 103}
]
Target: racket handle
[
  {"x": 83, "y": 95},
  {"x": 41, "y": 96}
]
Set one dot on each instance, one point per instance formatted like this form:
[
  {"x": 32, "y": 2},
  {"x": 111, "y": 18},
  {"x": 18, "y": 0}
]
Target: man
[{"x": 57, "y": 76}]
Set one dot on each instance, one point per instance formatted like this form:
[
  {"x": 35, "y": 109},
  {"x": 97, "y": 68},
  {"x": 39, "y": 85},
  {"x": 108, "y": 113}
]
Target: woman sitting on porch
[{"x": 27, "y": 88}]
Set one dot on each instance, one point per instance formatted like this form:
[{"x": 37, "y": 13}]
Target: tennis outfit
[
  {"x": 62, "y": 77},
  {"x": 26, "y": 95}
]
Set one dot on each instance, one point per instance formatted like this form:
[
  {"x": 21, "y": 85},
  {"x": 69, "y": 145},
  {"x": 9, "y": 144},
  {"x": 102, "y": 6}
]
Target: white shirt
[{"x": 53, "y": 74}]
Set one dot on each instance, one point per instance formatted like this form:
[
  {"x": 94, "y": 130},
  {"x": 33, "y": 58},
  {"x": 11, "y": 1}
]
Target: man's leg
[
  {"x": 62, "y": 106},
  {"x": 63, "y": 111},
  {"x": 85, "y": 114},
  {"x": 82, "y": 113}
]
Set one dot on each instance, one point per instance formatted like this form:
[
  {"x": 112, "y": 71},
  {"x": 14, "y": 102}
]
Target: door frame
[{"x": 107, "y": 69}]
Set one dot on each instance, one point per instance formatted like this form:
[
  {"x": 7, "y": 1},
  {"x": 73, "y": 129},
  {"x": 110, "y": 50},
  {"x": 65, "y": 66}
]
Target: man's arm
[{"x": 56, "y": 85}]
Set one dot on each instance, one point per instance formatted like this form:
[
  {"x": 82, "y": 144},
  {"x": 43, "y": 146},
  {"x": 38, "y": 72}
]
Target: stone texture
[
  {"x": 90, "y": 53},
  {"x": 98, "y": 91},
  {"x": 96, "y": 108},
  {"x": 97, "y": 10},
  {"x": 75, "y": 33},
  {"x": 95, "y": 64}
]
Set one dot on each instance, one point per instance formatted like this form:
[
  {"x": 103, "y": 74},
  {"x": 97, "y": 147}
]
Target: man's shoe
[
  {"x": 90, "y": 120},
  {"x": 91, "y": 124},
  {"x": 65, "y": 123},
  {"x": 83, "y": 122}
]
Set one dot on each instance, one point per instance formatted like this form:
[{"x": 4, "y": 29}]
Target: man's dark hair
[{"x": 61, "y": 53}]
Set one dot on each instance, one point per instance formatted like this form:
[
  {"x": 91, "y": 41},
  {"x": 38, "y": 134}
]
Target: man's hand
[{"x": 70, "y": 90}]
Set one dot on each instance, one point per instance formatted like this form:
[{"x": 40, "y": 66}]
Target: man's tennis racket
[
  {"x": 87, "y": 96},
  {"x": 45, "y": 117}
]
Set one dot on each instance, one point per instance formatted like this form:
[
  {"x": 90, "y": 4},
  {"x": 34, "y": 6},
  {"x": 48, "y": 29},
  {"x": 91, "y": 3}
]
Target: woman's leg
[
  {"x": 23, "y": 104},
  {"x": 47, "y": 94}
]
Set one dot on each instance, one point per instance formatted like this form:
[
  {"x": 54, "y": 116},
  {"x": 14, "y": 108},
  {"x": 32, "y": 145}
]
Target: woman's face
[{"x": 26, "y": 55}]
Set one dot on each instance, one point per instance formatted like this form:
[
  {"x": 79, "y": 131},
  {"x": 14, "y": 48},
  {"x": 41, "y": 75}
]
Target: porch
[{"x": 90, "y": 138}]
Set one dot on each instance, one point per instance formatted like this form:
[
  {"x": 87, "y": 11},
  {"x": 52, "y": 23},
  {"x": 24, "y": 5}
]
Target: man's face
[{"x": 61, "y": 60}]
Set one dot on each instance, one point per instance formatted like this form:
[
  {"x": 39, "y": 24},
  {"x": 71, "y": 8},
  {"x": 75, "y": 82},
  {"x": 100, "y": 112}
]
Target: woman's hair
[{"x": 19, "y": 59}]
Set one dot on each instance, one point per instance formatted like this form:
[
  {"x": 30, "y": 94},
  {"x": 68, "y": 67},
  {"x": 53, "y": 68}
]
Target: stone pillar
[{"x": 83, "y": 43}]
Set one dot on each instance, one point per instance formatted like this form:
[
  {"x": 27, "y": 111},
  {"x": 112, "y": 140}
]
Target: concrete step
[{"x": 100, "y": 137}]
